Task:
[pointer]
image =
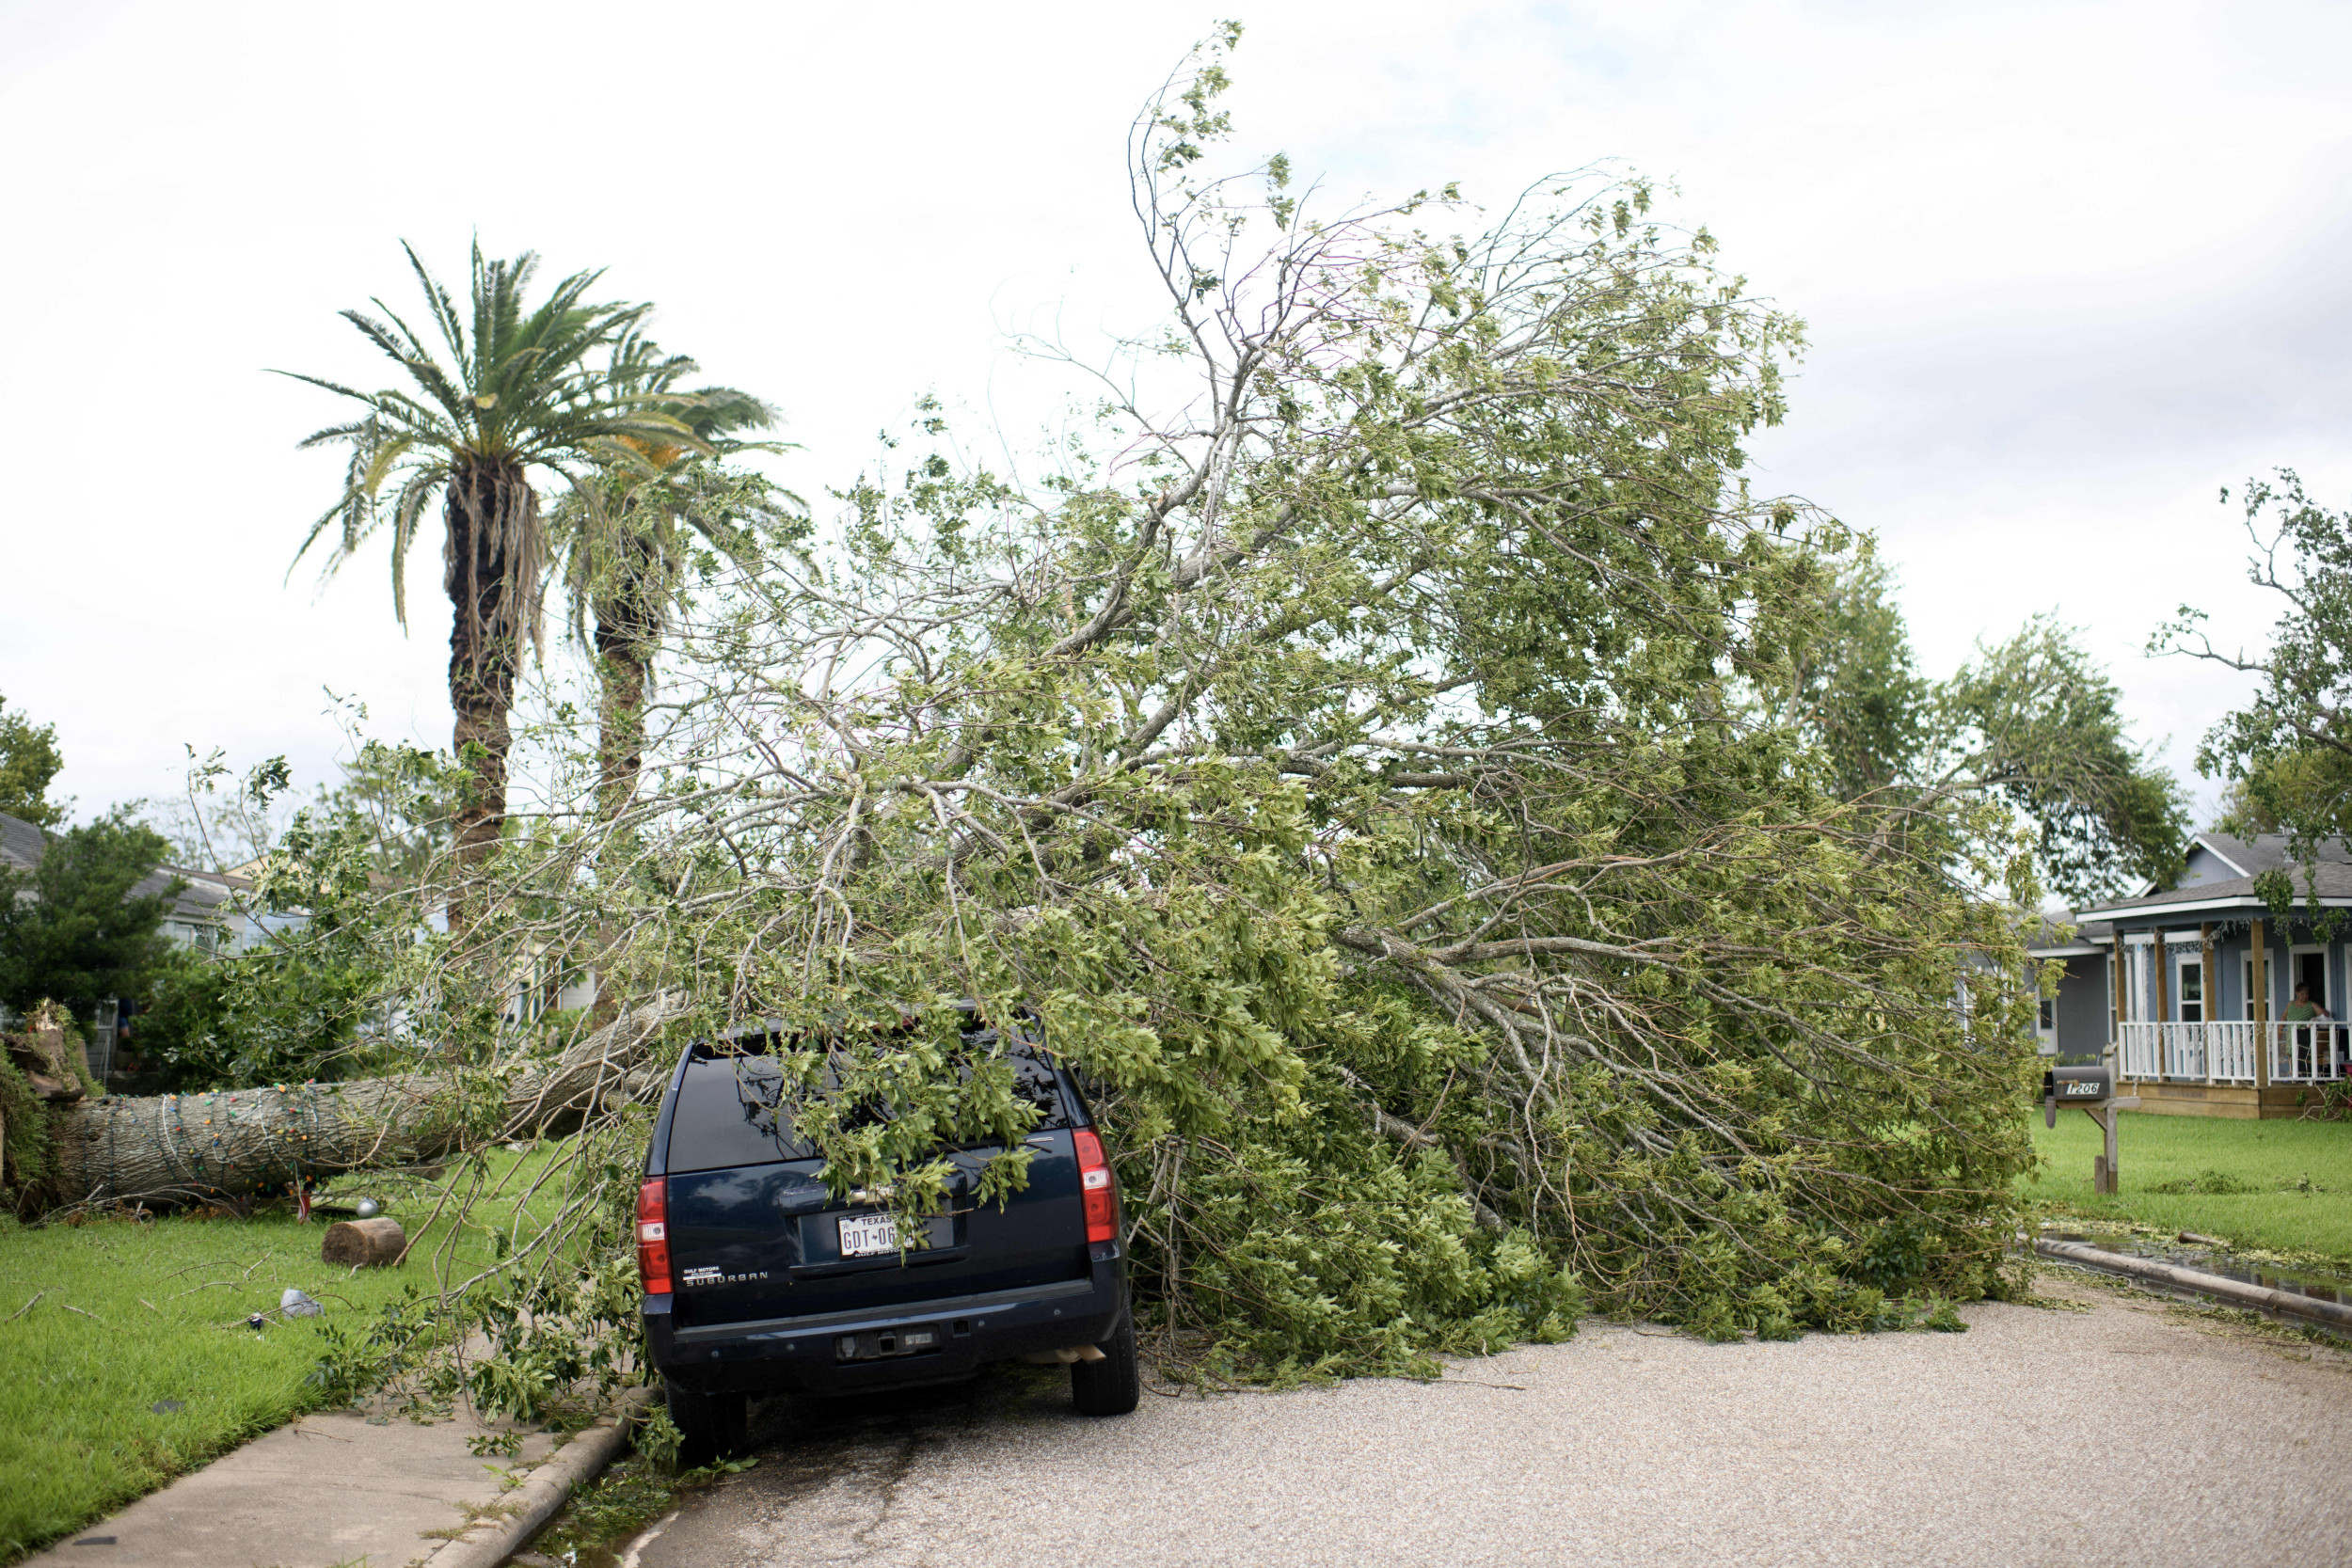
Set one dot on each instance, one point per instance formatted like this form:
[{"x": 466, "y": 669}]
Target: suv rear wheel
[
  {"x": 1112, "y": 1385},
  {"x": 710, "y": 1426}
]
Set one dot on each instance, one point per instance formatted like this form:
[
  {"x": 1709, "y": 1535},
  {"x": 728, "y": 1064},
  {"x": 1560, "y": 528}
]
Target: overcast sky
[{"x": 2069, "y": 269}]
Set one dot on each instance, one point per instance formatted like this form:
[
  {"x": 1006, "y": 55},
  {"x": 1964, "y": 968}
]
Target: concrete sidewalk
[{"x": 326, "y": 1490}]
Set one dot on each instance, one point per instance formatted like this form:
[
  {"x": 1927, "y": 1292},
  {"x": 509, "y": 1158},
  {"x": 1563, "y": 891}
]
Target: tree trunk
[
  {"x": 493, "y": 560},
  {"x": 628, "y": 630},
  {"x": 188, "y": 1147}
]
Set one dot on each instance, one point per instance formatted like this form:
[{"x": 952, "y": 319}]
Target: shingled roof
[
  {"x": 20, "y": 843},
  {"x": 2251, "y": 857},
  {"x": 2222, "y": 871},
  {"x": 200, "y": 900},
  {"x": 2048, "y": 941}
]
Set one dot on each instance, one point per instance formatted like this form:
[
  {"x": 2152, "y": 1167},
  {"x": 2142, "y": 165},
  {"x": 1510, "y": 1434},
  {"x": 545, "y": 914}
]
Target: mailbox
[
  {"x": 2092, "y": 1090},
  {"x": 2090, "y": 1087}
]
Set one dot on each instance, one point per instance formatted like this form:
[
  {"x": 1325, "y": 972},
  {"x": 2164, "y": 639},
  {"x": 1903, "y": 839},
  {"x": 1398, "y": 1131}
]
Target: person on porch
[{"x": 2312, "y": 1046}]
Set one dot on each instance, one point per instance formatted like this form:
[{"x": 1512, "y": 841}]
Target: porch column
[
  {"x": 2213, "y": 991},
  {"x": 2160, "y": 958},
  {"x": 2262, "y": 1015},
  {"x": 2115, "y": 1033}
]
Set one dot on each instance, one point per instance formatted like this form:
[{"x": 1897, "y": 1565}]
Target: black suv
[{"x": 758, "y": 1279}]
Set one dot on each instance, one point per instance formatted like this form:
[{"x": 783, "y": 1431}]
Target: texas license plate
[{"x": 864, "y": 1235}]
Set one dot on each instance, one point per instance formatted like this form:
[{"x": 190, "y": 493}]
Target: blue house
[{"x": 2191, "y": 994}]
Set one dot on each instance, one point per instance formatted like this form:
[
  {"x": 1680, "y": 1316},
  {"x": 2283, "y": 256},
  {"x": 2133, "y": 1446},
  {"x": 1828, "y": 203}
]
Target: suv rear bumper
[{"x": 803, "y": 1354}]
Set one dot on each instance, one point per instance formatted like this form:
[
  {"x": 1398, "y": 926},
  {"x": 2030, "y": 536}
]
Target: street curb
[
  {"x": 548, "y": 1488},
  {"x": 2335, "y": 1314}
]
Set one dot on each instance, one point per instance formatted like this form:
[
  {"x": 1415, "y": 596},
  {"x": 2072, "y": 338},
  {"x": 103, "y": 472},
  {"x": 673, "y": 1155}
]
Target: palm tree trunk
[
  {"x": 628, "y": 630},
  {"x": 625, "y": 664},
  {"x": 492, "y": 560}
]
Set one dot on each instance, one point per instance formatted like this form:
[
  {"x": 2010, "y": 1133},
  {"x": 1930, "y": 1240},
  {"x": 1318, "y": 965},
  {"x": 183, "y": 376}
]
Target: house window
[
  {"x": 2248, "y": 990},
  {"x": 2048, "y": 1021},
  {"x": 2192, "y": 989}
]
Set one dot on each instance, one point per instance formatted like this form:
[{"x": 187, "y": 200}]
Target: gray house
[
  {"x": 2190, "y": 992},
  {"x": 205, "y": 915}
]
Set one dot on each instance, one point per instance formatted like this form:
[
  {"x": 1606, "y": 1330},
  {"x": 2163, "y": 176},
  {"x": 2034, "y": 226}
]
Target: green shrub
[
  {"x": 2210, "y": 1184},
  {"x": 269, "y": 1014},
  {"x": 27, "y": 1152}
]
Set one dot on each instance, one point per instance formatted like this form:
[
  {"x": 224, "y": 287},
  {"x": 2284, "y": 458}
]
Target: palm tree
[
  {"x": 622, "y": 535},
  {"x": 518, "y": 391}
]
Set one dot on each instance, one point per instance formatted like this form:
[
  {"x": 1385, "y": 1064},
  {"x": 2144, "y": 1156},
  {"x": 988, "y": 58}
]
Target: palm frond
[
  {"x": 332, "y": 434},
  {"x": 414, "y": 497},
  {"x": 444, "y": 309},
  {"x": 374, "y": 458},
  {"x": 721, "y": 410},
  {"x": 418, "y": 360},
  {"x": 396, "y": 340},
  {"x": 336, "y": 386},
  {"x": 400, "y": 340}
]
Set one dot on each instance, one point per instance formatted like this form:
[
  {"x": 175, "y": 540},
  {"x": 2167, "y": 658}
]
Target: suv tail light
[
  {"x": 1095, "y": 1180},
  {"x": 653, "y": 1236}
]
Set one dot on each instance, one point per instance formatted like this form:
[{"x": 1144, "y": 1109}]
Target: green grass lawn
[
  {"x": 130, "y": 1314},
  {"x": 2258, "y": 1167}
]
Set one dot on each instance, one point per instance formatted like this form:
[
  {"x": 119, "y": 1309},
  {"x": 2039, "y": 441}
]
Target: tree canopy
[
  {"x": 2288, "y": 751},
  {"x": 29, "y": 758},
  {"x": 2031, "y": 724}
]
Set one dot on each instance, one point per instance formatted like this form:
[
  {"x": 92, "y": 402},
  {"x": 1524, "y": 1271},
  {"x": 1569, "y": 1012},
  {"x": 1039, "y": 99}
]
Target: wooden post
[
  {"x": 2161, "y": 955},
  {"x": 2106, "y": 1169},
  {"x": 2116, "y": 1038},
  {"x": 2213, "y": 993},
  {"x": 2262, "y": 1016}
]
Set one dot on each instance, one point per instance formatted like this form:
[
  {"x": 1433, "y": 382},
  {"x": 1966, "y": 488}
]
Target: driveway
[{"x": 2114, "y": 1430}]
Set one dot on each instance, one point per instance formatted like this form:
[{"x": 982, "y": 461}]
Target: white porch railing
[
  {"x": 2225, "y": 1053},
  {"x": 2310, "y": 1052}
]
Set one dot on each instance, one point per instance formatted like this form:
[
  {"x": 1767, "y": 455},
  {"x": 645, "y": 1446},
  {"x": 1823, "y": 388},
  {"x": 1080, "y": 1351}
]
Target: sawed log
[{"x": 370, "y": 1244}]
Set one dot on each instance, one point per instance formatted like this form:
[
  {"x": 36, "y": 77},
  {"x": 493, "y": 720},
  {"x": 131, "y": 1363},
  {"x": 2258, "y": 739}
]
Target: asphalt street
[{"x": 2131, "y": 1433}]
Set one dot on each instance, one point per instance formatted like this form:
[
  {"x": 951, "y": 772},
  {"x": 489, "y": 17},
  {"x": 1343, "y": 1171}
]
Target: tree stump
[
  {"x": 41, "y": 1052},
  {"x": 370, "y": 1242}
]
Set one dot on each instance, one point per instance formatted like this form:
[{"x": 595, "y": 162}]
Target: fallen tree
[
  {"x": 1356, "y": 758},
  {"x": 166, "y": 1150}
]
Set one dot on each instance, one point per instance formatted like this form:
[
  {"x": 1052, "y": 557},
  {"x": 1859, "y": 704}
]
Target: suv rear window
[{"x": 730, "y": 1110}]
